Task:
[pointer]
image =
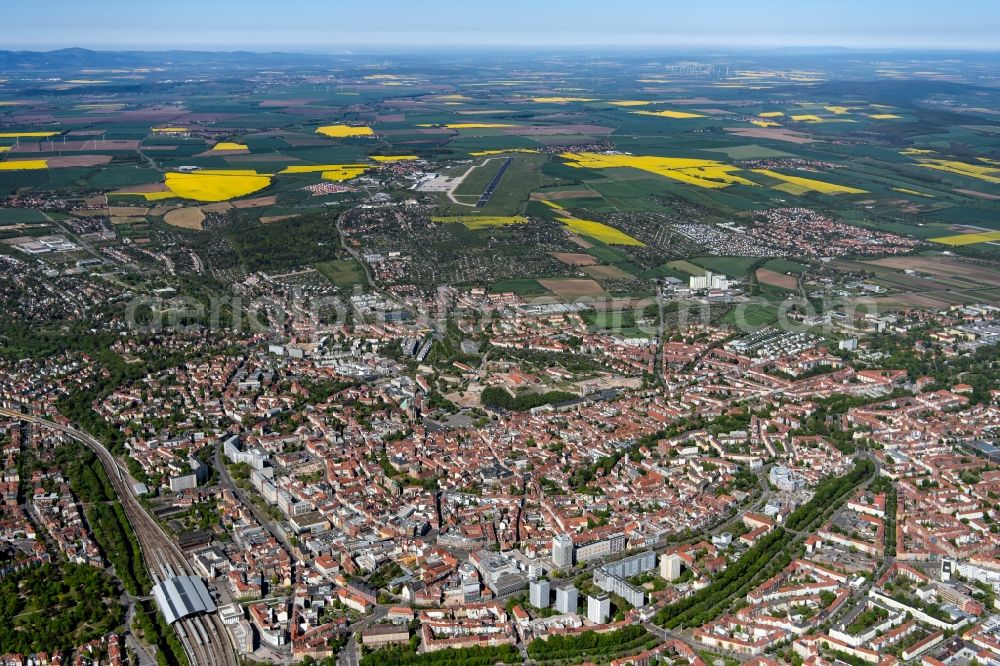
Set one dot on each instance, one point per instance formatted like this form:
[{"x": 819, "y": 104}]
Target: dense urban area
[{"x": 331, "y": 361}]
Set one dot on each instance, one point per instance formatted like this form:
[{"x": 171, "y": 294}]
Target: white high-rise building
[
  {"x": 562, "y": 550},
  {"x": 708, "y": 281},
  {"x": 567, "y": 599},
  {"x": 670, "y": 567},
  {"x": 598, "y": 608},
  {"x": 538, "y": 593}
]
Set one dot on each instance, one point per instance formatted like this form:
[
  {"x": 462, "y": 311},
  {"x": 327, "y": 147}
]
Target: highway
[{"x": 205, "y": 640}]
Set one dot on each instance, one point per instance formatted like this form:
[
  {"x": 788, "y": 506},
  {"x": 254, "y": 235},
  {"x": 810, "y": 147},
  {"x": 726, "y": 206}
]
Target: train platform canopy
[{"x": 182, "y": 596}]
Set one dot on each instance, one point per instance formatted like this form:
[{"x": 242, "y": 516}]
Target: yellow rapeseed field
[
  {"x": 917, "y": 151},
  {"x": 807, "y": 118},
  {"x": 169, "y": 130},
  {"x": 156, "y": 196},
  {"x": 552, "y": 204},
  {"x": 968, "y": 239},
  {"x": 314, "y": 168},
  {"x": 669, "y": 114},
  {"x": 25, "y": 135},
  {"x": 764, "y": 123},
  {"x": 338, "y": 175},
  {"x": 991, "y": 174},
  {"x": 335, "y": 172},
  {"x": 799, "y": 185},
  {"x": 216, "y": 185},
  {"x": 885, "y": 116},
  {"x": 630, "y": 102},
  {"x": 394, "y": 158},
  {"x": 344, "y": 131},
  {"x": 4, "y": 149},
  {"x": 226, "y": 145},
  {"x": 477, "y": 125},
  {"x": 703, "y": 173},
  {"x": 148, "y": 196},
  {"x": 837, "y": 110},
  {"x": 481, "y": 221},
  {"x": 24, "y": 165},
  {"x": 599, "y": 231},
  {"x": 904, "y": 190},
  {"x": 771, "y": 114}
]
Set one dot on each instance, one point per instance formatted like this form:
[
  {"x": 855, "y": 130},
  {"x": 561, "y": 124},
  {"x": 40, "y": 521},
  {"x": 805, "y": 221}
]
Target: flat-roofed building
[
  {"x": 598, "y": 608},
  {"x": 562, "y": 550},
  {"x": 567, "y": 599},
  {"x": 538, "y": 593}
]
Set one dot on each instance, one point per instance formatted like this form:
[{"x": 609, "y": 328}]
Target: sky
[{"x": 337, "y": 26}]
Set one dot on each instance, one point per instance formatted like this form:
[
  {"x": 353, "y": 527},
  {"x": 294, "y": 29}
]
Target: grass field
[
  {"x": 20, "y": 216},
  {"x": 522, "y": 286},
  {"x": 343, "y": 273},
  {"x": 752, "y": 315},
  {"x": 684, "y": 266},
  {"x": 785, "y": 266},
  {"x": 731, "y": 266}
]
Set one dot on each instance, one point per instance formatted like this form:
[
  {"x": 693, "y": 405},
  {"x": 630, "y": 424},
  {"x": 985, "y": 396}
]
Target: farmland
[
  {"x": 216, "y": 185},
  {"x": 615, "y": 175},
  {"x": 598, "y": 231},
  {"x": 367, "y": 267}
]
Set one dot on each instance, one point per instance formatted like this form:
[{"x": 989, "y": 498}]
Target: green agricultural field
[
  {"x": 731, "y": 266},
  {"x": 21, "y": 216},
  {"x": 522, "y": 286},
  {"x": 785, "y": 266},
  {"x": 686, "y": 267},
  {"x": 344, "y": 273},
  {"x": 754, "y": 315},
  {"x": 749, "y": 152}
]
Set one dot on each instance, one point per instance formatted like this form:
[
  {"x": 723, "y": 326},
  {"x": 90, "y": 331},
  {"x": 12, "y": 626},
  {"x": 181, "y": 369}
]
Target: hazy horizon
[{"x": 313, "y": 26}]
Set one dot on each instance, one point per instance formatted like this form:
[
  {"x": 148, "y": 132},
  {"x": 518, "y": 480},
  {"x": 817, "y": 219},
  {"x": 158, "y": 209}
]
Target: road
[
  {"x": 226, "y": 481},
  {"x": 66, "y": 232},
  {"x": 670, "y": 635},
  {"x": 350, "y": 654},
  {"x": 205, "y": 640},
  {"x": 389, "y": 298}
]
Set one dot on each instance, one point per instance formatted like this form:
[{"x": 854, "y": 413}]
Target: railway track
[{"x": 204, "y": 638}]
